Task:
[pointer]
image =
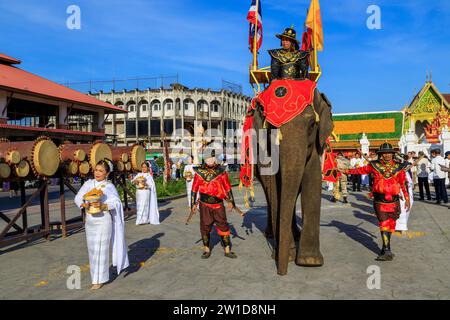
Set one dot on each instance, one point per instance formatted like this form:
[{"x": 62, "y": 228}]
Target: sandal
[
  {"x": 206, "y": 255},
  {"x": 231, "y": 255},
  {"x": 96, "y": 286}
]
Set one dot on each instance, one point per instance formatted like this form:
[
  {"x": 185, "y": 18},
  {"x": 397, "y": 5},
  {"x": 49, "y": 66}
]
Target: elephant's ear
[{"x": 326, "y": 126}]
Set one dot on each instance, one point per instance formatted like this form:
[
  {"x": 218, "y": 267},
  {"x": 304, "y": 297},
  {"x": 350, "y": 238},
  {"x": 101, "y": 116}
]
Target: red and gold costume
[
  {"x": 389, "y": 178},
  {"x": 214, "y": 187}
]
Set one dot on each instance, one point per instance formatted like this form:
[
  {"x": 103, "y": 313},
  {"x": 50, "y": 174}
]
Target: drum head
[
  {"x": 46, "y": 158},
  {"x": 138, "y": 155},
  {"x": 120, "y": 166},
  {"x": 80, "y": 155},
  {"x": 23, "y": 169},
  {"x": 84, "y": 168},
  {"x": 5, "y": 171},
  {"x": 72, "y": 168},
  {"x": 99, "y": 152},
  {"x": 13, "y": 157}
]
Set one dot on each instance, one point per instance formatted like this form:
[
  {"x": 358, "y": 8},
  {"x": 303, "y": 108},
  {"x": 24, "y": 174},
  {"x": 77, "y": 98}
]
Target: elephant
[{"x": 300, "y": 172}]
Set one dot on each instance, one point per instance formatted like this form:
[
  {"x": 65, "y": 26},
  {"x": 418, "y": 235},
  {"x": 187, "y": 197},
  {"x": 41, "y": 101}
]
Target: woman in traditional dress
[
  {"x": 188, "y": 175},
  {"x": 402, "y": 222},
  {"x": 105, "y": 227},
  {"x": 146, "y": 199}
]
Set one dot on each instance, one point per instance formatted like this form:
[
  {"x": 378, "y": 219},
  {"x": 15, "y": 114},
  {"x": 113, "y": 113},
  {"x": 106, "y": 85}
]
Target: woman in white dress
[
  {"x": 146, "y": 199},
  {"x": 105, "y": 227},
  {"x": 402, "y": 222},
  {"x": 188, "y": 175}
]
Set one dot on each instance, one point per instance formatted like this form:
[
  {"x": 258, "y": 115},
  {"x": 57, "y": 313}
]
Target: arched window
[
  {"x": 131, "y": 106},
  {"x": 119, "y": 104},
  {"x": 215, "y": 105},
  {"x": 202, "y": 106},
  {"x": 143, "y": 105},
  {"x": 168, "y": 104},
  {"x": 156, "y": 105}
]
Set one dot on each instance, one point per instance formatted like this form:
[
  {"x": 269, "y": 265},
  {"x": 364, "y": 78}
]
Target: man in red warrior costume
[
  {"x": 211, "y": 181},
  {"x": 389, "y": 179}
]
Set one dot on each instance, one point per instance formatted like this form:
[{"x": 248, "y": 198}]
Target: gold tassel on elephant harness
[
  {"x": 279, "y": 137},
  {"x": 315, "y": 113},
  {"x": 248, "y": 190}
]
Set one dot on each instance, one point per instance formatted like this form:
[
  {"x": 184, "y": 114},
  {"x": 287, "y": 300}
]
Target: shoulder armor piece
[{"x": 285, "y": 56}]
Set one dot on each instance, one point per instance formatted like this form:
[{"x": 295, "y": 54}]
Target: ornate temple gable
[
  {"x": 424, "y": 107},
  {"x": 427, "y": 102}
]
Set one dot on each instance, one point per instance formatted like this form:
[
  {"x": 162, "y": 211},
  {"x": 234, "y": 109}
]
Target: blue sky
[{"x": 205, "y": 41}]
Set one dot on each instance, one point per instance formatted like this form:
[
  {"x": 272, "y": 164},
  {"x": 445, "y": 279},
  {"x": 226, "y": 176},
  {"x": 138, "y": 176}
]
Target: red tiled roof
[
  {"x": 65, "y": 131},
  {"x": 7, "y": 59},
  {"x": 447, "y": 97},
  {"x": 18, "y": 80}
]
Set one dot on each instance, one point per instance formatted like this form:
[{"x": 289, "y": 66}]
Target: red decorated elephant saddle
[{"x": 283, "y": 100}]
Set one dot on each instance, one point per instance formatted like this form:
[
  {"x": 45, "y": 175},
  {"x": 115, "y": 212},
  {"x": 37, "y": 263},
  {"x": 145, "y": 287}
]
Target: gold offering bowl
[
  {"x": 188, "y": 176},
  {"x": 142, "y": 183},
  {"x": 94, "y": 204}
]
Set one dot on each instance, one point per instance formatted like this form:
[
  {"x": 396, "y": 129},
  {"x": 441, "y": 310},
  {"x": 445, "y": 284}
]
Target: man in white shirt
[
  {"x": 439, "y": 175},
  {"x": 356, "y": 163},
  {"x": 423, "y": 172}
]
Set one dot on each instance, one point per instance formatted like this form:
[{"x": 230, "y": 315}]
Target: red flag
[
  {"x": 330, "y": 171},
  {"x": 246, "y": 174},
  {"x": 307, "y": 40}
]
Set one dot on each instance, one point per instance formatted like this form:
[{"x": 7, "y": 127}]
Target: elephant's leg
[
  {"x": 309, "y": 250},
  {"x": 273, "y": 196},
  {"x": 265, "y": 182},
  {"x": 289, "y": 192}
]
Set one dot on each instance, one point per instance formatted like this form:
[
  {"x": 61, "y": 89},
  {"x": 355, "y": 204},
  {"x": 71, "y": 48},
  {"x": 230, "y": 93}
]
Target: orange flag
[{"x": 314, "y": 22}]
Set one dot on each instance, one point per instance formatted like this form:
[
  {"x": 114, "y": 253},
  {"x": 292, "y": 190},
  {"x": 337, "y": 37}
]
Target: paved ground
[{"x": 166, "y": 260}]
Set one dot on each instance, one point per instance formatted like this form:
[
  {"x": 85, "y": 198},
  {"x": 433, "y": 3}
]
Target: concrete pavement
[{"x": 166, "y": 260}]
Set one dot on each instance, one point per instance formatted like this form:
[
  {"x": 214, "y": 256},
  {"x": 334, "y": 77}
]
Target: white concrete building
[{"x": 154, "y": 111}]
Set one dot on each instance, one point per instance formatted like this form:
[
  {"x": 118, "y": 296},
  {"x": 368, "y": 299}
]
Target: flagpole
[
  {"x": 255, "y": 39},
  {"x": 315, "y": 36}
]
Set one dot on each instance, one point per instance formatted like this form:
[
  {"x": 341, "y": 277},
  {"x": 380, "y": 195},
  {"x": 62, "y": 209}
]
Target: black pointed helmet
[
  {"x": 386, "y": 148},
  {"x": 291, "y": 34}
]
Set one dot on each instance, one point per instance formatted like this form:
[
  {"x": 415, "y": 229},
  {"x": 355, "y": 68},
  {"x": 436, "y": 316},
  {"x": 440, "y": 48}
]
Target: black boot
[
  {"x": 385, "y": 254},
  {"x": 388, "y": 251},
  {"x": 225, "y": 240},
  {"x": 345, "y": 200},
  {"x": 205, "y": 240}
]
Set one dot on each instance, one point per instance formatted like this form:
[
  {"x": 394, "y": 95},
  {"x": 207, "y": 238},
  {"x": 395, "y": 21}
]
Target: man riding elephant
[
  {"x": 289, "y": 62},
  {"x": 298, "y": 121}
]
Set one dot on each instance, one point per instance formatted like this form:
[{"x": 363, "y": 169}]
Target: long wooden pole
[
  {"x": 315, "y": 36},
  {"x": 255, "y": 39}
]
